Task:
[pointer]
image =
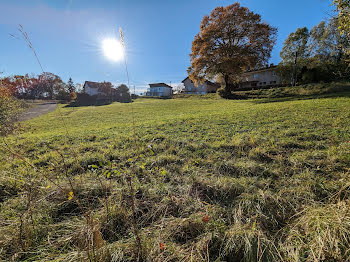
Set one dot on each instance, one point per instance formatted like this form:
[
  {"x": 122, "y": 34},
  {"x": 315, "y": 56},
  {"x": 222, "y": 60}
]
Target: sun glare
[{"x": 112, "y": 49}]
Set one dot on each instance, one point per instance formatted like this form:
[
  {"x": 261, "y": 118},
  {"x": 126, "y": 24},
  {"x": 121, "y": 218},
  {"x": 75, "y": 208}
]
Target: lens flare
[{"x": 112, "y": 49}]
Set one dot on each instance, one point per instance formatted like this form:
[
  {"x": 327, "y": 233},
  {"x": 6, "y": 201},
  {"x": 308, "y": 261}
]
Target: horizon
[{"x": 68, "y": 36}]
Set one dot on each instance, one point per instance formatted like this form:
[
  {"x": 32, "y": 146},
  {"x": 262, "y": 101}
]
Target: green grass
[{"x": 272, "y": 176}]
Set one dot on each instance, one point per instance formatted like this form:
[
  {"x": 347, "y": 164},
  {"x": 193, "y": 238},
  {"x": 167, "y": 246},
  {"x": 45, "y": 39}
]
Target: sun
[{"x": 113, "y": 49}]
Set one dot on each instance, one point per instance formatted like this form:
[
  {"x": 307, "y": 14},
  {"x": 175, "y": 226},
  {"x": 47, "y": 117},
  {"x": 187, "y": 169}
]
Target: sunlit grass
[{"x": 261, "y": 172}]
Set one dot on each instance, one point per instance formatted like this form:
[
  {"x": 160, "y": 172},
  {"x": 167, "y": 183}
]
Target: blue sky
[{"x": 67, "y": 35}]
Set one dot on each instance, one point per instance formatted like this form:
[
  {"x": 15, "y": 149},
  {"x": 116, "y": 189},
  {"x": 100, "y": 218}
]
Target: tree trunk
[{"x": 226, "y": 80}]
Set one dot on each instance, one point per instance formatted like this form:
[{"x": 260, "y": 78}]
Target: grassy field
[{"x": 196, "y": 179}]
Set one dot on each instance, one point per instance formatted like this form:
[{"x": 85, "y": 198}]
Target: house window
[
  {"x": 256, "y": 76},
  {"x": 189, "y": 89},
  {"x": 274, "y": 73}
]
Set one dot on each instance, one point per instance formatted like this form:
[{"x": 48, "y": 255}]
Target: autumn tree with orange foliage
[{"x": 231, "y": 40}]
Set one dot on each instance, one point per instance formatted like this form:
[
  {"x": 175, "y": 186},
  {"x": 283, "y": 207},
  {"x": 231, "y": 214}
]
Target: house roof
[
  {"x": 93, "y": 84},
  {"x": 160, "y": 85},
  {"x": 206, "y": 81},
  {"x": 269, "y": 68}
]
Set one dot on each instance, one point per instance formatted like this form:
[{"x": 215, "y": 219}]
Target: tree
[
  {"x": 231, "y": 40},
  {"x": 24, "y": 84},
  {"x": 78, "y": 88},
  {"x": 318, "y": 45},
  {"x": 123, "y": 94},
  {"x": 8, "y": 84},
  {"x": 19, "y": 86},
  {"x": 315, "y": 55},
  {"x": 107, "y": 90},
  {"x": 49, "y": 86},
  {"x": 178, "y": 89},
  {"x": 70, "y": 86},
  {"x": 294, "y": 55},
  {"x": 343, "y": 8},
  {"x": 326, "y": 42},
  {"x": 296, "y": 43}
]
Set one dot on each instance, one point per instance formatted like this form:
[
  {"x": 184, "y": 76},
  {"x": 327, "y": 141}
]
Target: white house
[
  {"x": 159, "y": 89},
  {"x": 92, "y": 88},
  {"x": 200, "y": 89},
  {"x": 101, "y": 91}
]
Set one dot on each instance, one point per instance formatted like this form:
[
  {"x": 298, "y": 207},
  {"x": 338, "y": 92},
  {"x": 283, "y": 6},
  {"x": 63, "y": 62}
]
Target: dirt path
[{"x": 37, "y": 110}]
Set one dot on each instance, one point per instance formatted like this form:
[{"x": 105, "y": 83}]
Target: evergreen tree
[{"x": 70, "y": 86}]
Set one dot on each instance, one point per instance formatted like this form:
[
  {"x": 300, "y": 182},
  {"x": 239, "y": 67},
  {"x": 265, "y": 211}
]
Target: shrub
[
  {"x": 72, "y": 96},
  {"x": 85, "y": 99},
  {"x": 66, "y": 96},
  {"x": 9, "y": 109}
]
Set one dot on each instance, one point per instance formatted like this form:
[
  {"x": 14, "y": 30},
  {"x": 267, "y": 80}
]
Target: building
[
  {"x": 200, "y": 89},
  {"x": 93, "y": 88},
  {"x": 159, "y": 90},
  {"x": 101, "y": 91},
  {"x": 262, "y": 78}
]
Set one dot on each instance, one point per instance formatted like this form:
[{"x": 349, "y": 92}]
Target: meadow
[{"x": 187, "y": 179}]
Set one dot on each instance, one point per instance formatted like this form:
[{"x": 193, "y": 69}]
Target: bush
[
  {"x": 72, "y": 96},
  {"x": 9, "y": 110},
  {"x": 66, "y": 96},
  {"x": 85, "y": 99},
  {"x": 124, "y": 98}
]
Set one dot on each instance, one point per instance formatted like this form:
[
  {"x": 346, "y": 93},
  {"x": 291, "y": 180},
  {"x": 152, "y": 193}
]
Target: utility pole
[{"x": 294, "y": 81}]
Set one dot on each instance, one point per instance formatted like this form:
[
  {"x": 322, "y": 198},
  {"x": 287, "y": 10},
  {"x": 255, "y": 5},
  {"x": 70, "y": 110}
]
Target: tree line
[
  {"x": 50, "y": 86},
  {"x": 315, "y": 55},
  {"x": 43, "y": 86}
]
